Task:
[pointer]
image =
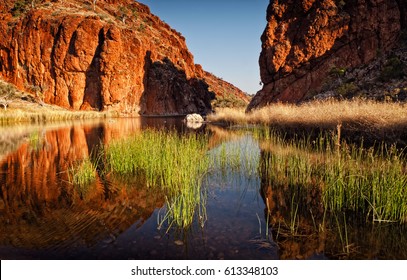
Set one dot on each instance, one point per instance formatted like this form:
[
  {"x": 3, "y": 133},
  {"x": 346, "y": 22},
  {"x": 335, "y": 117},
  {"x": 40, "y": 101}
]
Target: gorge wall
[
  {"x": 305, "y": 40},
  {"x": 114, "y": 55}
]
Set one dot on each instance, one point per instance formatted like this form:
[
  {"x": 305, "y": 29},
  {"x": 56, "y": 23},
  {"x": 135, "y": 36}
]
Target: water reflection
[
  {"x": 303, "y": 229},
  {"x": 39, "y": 206},
  {"x": 250, "y": 216},
  {"x": 173, "y": 123},
  {"x": 44, "y": 216}
]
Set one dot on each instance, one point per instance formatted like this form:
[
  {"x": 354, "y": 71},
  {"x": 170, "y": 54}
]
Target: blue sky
[{"x": 223, "y": 35}]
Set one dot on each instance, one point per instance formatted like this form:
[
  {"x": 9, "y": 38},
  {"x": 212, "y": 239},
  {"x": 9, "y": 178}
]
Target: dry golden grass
[
  {"x": 46, "y": 115},
  {"x": 377, "y": 120},
  {"x": 20, "y": 111},
  {"x": 325, "y": 113},
  {"x": 21, "y": 107}
]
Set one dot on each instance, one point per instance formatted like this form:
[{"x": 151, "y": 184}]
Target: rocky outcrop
[
  {"x": 114, "y": 55},
  {"x": 304, "y": 41},
  {"x": 164, "y": 77},
  {"x": 227, "y": 95}
]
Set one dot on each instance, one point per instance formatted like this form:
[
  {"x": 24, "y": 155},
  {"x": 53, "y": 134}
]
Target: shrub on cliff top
[
  {"x": 346, "y": 90},
  {"x": 393, "y": 69},
  {"x": 6, "y": 93},
  {"x": 21, "y": 6}
]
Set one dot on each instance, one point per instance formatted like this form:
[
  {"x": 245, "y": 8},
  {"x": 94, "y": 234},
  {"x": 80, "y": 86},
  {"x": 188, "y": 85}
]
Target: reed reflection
[{"x": 303, "y": 228}]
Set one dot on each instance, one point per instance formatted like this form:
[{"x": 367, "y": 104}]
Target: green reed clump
[
  {"x": 82, "y": 175},
  {"x": 372, "y": 180},
  {"x": 174, "y": 163},
  {"x": 369, "y": 181}
]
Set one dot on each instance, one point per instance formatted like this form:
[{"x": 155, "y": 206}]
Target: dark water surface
[{"x": 43, "y": 216}]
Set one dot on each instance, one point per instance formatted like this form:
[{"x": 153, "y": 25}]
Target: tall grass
[
  {"x": 82, "y": 175},
  {"x": 371, "y": 120},
  {"x": 322, "y": 113},
  {"x": 12, "y": 116},
  {"x": 368, "y": 181},
  {"x": 175, "y": 164}
]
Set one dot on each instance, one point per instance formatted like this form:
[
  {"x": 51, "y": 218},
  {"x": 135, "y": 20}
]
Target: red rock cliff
[
  {"x": 112, "y": 55},
  {"x": 305, "y": 39}
]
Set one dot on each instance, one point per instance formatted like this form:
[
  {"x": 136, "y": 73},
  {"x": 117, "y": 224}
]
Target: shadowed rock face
[
  {"x": 403, "y": 13},
  {"x": 79, "y": 57},
  {"x": 164, "y": 77},
  {"x": 304, "y": 40}
]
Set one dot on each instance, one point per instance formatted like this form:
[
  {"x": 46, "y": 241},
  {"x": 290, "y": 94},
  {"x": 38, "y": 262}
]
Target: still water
[{"x": 43, "y": 215}]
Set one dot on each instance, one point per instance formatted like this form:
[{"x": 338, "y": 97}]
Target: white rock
[{"x": 194, "y": 118}]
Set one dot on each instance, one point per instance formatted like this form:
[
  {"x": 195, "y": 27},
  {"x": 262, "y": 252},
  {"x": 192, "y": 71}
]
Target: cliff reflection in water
[
  {"x": 41, "y": 209},
  {"x": 43, "y": 215}
]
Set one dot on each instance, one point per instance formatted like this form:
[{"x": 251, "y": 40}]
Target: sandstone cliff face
[
  {"x": 114, "y": 55},
  {"x": 304, "y": 41}
]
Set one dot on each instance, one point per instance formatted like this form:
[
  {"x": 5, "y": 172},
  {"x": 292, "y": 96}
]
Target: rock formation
[
  {"x": 227, "y": 95},
  {"x": 403, "y": 13},
  {"x": 112, "y": 55},
  {"x": 304, "y": 41}
]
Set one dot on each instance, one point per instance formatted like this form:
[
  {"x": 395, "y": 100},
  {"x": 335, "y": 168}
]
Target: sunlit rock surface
[
  {"x": 304, "y": 40},
  {"x": 115, "y": 55}
]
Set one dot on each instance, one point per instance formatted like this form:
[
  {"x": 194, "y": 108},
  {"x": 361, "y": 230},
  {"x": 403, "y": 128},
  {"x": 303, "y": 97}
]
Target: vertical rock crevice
[
  {"x": 403, "y": 13},
  {"x": 53, "y": 64},
  {"x": 93, "y": 85}
]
